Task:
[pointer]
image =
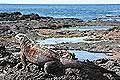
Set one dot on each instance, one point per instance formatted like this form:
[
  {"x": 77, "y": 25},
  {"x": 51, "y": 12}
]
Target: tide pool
[
  {"x": 64, "y": 40},
  {"x": 84, "y": 55},
  {"x": 84, "y": 28}
]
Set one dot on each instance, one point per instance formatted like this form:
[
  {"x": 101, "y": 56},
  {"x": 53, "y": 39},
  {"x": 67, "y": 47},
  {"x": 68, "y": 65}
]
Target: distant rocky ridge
[
  {"x": 36, "y": 21},
  {"x": 18, "y": 16}
]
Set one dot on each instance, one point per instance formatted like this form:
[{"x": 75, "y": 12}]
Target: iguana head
[{"x": 23, "y": 39}]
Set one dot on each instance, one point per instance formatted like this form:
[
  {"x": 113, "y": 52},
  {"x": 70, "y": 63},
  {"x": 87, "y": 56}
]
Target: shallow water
[
  {"x": 64, "y": 40},
  {"x": 61, "y": 40},
  {"x": 84, "y": 55},
  {"x": 83, "y": 28}
]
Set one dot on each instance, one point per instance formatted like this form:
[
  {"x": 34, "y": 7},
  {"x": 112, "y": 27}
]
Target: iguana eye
[
  {"x": 21, "y": 38},
  {"x": 20, "y": 35}
]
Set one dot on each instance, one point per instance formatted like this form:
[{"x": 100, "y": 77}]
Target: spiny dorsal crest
[{"x": 23, "y": 39}]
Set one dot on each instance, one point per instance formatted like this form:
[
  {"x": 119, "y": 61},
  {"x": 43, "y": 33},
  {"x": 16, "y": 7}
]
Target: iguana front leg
[{"x": 23, "y": 59}]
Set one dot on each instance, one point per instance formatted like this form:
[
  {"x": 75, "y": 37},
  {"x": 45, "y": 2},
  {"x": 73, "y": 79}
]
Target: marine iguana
[{"x": 42, "y": 56}]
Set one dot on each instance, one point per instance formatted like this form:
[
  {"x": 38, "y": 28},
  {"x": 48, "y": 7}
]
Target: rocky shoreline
[
  {"x": 39, "y": 27},
  {"x": 10, "y": 71}
]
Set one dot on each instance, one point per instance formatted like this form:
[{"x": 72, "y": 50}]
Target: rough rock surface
[{"x": 10, "y": 71}]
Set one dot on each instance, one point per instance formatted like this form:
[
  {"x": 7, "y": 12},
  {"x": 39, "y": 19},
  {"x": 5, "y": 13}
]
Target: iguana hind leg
[{"x": 54, "y": 68}]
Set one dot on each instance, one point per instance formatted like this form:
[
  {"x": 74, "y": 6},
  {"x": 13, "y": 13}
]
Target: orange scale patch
[{"x": 32, "y": 51}]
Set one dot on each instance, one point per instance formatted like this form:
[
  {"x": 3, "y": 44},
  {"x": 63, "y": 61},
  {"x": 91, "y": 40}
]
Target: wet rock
[
  {"x": 12, "y": 69},
  {"x": 9, "y": 16},
  {"x": 101, "y": 61},
  {"x": 30, "y": 17},
  {"x": 112, "y": 65},
  {"x": 3, "y": 52},
  {"x": 41, "y": 17}
]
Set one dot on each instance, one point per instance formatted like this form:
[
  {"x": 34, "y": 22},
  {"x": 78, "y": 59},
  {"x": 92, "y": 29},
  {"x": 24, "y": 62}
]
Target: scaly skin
[{"x": 33, "y": 53}]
